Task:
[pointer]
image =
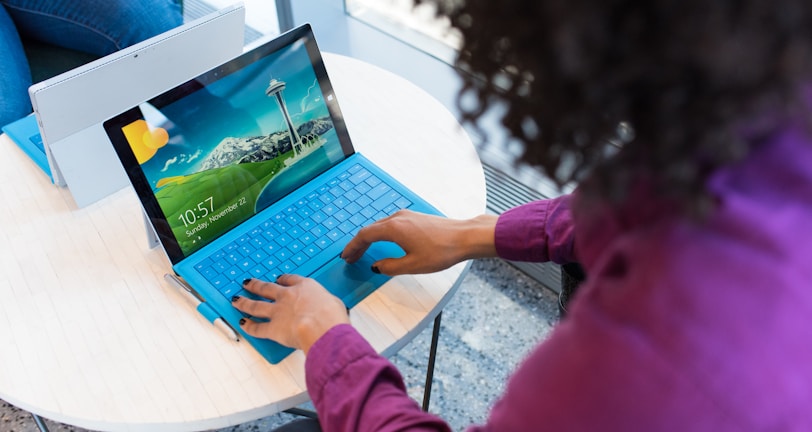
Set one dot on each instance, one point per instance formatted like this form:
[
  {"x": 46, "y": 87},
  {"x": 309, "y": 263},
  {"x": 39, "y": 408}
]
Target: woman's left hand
[{"x": 301, "y": 311}]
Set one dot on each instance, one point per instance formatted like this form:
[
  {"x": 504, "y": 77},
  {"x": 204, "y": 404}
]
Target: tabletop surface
[{"x": 91, "y": 335}]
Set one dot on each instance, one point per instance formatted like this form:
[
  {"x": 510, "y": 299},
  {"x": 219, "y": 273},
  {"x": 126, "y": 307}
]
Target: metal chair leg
[
  {"x": 39, "y": 422},
  {"x": 435, "y": 336},
  {"x": 302, "y": 413}
]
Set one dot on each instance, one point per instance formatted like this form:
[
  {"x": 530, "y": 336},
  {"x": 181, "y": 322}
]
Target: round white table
[{"x": 91, "y": 335}]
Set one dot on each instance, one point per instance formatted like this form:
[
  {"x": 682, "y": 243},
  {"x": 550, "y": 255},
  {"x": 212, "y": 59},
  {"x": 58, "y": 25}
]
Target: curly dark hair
[{"x": 699, "y": 82}]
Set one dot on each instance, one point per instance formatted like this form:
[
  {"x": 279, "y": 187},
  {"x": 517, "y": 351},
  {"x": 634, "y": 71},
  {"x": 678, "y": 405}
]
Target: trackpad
[{"x": 353, "y": 282}]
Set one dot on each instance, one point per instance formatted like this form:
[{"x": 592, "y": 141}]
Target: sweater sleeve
[
  {"x": 538, "y": 231},
  {"x": 355, "y": 389}
]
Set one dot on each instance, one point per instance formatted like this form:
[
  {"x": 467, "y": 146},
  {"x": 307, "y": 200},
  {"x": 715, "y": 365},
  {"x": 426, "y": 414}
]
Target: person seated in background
[
  {"x": 695, "y": 234},
  {"x": 95, "y": 27}
]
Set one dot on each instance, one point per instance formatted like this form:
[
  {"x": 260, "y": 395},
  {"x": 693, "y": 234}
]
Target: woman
[
  {"x": 95, "y": 27},
  {"x": 696, "y": 235}
]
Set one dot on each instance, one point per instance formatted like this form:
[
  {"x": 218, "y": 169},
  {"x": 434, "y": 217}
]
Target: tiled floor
[{"x": 495, "y": 318}]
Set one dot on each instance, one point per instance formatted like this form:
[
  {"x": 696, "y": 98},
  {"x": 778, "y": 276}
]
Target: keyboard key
[
  {"x": 378, "y": 191},
  {"x": 271, "y": 248},
  {"x": 258, "y": 242},
  {"x": 246, "y": 264},
  {"x": 287, "y": 267},
  {"x": 391, "y": 208},
  {"x": 342, "y": 215},
  {"x": 232, "y": 273},
  {"x": 346, "y": 185},
  {"x": 388, "y": 198},
  {"x": 203, "y": 264},
  {"x": 319, "y": 217},
  {"x": 330, "y": 223},
  {"x": 322, "y": 242},
  {"x": 402, "y": 203},
  {"x": 307, "y": 238},
  {"x": 326, "y": 198},
  {"x": 352, "y": 195},
  {"x": 368, "y": 212},
  {"x": 232, "y": 257},
  {"x": 299, "y": 259},
  {"x": 282, "y": 254},
  {"x": 307, "y": 224},
  {"x": 373, "y": 181},
  {"x": 336, "y": 191},
  {"x": 360, "y": 176},
  {"x": 363, "y": 188},
  {"x": 209, "y": 272},
  {"x": 270, "y": 235},
  {"x": 329, "y": 209},
  {"x": 295, "y": 246},
  {"x": 363, "y": 201},
  {"x": 335, "y": 234},
  {"x": 304, "y": 213},
  {"x": 269, "y": 263},
  {"x": 220, "y": 281},
  {"x": 293, "y": 219},
  {"x": 352, "y": 208},
  {"x": 283, "y": 240},
  {"x": 230, "y": 289},
  {"x": 358, "y": 219},
  {"x": 318, "y": 231},
  {"x": 219, "y": 266},
  {"x": 258, "y": 255}
]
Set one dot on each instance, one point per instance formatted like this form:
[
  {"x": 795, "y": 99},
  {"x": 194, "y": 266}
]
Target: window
[{"x": 416, "y": 25}]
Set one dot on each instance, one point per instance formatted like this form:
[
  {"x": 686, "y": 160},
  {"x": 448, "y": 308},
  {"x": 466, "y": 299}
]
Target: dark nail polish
[
  {"x": 235, "y": 298},
  {"x": 242, "y": 321},
  {"x": 245, "y": 282},
  {"x": 375, "y": 269}
]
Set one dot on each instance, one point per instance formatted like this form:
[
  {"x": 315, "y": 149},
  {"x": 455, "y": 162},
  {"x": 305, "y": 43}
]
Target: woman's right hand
[{"x": 432, "y": 243}]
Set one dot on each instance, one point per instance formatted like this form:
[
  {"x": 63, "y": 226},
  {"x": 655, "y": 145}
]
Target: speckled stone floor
[{"x": 495, "y": 318}]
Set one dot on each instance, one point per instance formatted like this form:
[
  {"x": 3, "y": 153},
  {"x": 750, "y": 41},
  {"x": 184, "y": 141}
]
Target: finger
[
  {"x": 268, "y": 290},
  {"x": 262, "y": 330},
  {"x": 354, "y": 249},
  {"x": 257, "y": 308},
  {"x": 365, "y": 237},
  {"x": 287, "y": 280},
  {"x": 394, "y": 266}
]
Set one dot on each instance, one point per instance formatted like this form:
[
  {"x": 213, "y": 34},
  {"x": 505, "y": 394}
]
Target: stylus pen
[{"x": 201, "y": 307}]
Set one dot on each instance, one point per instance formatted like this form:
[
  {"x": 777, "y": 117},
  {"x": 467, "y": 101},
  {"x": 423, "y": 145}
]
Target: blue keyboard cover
[{"x": 305, "y": 235}]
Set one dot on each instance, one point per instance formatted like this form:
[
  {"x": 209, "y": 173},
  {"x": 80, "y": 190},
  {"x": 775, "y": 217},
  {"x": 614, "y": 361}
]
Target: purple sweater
[{"x": 680, "y": 326}]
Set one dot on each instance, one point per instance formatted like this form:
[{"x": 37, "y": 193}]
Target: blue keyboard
[{"x": 304, "y": 236}]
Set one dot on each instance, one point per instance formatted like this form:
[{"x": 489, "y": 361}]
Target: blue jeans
[{"x": 98, "y": 27}]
